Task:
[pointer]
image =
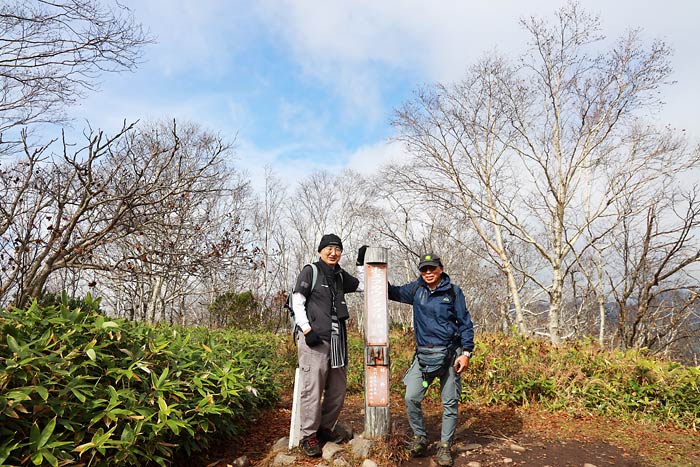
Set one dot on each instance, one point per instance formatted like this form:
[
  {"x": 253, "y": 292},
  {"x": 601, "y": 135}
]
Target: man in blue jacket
[{"x": 444, "y": 336}]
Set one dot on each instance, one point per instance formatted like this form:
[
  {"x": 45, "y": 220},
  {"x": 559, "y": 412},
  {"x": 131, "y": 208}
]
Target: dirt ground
[{"x": 490, "y": 436}]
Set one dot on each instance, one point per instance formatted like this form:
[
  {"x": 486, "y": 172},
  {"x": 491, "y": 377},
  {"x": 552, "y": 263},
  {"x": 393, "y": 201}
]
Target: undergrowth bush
[
  {"x": 78, "y": 387},
  {"x": 581, "y": 378}
]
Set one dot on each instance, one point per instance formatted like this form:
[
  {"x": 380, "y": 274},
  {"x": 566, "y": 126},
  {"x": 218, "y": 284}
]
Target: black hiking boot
[
  {"x": 310, "y": 446},
  {"x": 330, "y": 436}
]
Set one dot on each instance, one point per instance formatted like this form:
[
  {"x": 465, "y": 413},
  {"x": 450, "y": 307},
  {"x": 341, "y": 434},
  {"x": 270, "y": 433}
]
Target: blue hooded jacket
[{"x": 436, "y": 320}]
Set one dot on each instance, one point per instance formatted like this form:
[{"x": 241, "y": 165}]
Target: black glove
[
  {"x": 361, "y": 255},
  {"x": 312, "y": 339}
]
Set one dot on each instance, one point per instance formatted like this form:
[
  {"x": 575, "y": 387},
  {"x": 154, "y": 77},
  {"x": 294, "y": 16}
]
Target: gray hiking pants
[
  {"x": 322, "y": 387},
  {"x": 450, "y": 391}
]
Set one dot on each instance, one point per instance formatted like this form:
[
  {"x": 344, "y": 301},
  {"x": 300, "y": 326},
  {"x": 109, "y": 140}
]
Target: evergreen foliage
[
  {"x": 79, "y": 387},
  {"x": 238, "y": 310}
]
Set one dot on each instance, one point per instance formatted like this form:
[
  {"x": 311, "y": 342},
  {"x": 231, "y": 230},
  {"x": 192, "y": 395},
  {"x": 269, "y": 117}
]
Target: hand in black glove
[
  {"x": 312, "y": 339},
  {"x": 361, "y": 255}
]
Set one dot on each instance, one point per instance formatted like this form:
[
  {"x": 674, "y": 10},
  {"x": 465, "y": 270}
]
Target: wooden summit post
[{"x": 377, "y": 417}]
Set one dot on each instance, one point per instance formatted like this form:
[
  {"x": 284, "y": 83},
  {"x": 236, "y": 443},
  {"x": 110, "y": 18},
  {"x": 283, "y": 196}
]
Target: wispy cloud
[{"x": 307, "y": 83}]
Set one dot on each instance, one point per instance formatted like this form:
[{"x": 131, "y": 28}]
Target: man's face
[
  {"x": 331, "y": 255},
  {"x": 431, "y": 275}
]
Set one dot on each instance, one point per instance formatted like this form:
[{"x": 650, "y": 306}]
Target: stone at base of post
[{"x": 377, "y": 421}]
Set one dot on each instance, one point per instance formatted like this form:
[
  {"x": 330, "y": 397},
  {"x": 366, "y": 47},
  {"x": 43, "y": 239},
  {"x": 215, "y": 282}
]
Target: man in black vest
[{"x": 320, "y": 313}]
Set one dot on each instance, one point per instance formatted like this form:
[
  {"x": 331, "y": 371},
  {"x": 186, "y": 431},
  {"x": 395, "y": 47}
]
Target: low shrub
[
  {"x": 583, "y": 378},
  {"x": 78, "y": 387},
  {"x": 580, "y": 377}
]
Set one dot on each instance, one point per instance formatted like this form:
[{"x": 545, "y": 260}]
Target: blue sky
[{"x": 308, "y": 84}]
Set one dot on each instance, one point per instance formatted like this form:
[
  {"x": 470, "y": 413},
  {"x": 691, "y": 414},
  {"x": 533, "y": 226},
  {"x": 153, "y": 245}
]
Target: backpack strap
[
  {"x": 288, "y": 302},
  {"x": 314, "y": 275}
]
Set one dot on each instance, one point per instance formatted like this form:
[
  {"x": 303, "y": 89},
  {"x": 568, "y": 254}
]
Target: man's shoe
[
  {"x": 310, "y": 446},
  {"x": 332, "y": 436},
  {"x": 417, "y": 446},
  {"x": 443, "y": 456}
]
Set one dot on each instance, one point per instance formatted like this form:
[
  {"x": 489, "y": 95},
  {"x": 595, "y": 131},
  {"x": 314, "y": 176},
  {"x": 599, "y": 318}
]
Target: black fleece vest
[{"x": 318, "y": 303}]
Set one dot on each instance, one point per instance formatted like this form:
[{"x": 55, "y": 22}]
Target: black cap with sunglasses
[{"x": 429, "y": 259}]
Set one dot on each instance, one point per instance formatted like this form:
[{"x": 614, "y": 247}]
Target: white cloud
[
  {"x": 367, "y": 160},
  {"x": 254, "y": 161},
  {"x": 433, "y": 40},
  {"x": 348, "y": 44},
  {"x": 218, "y": 112},
  {"x": 302, "y": 121},
  {"x": 197, "y": 36},
  {"x": 351, "y": 52},
  {"x": 370, "y": 158}
]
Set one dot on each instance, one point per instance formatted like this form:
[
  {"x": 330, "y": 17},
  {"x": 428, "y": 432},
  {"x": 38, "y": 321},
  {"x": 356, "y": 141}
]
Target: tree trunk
[{"x": 555, "y": 297}]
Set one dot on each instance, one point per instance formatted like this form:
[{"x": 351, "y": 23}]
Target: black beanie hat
[{"x": 330, "y": 239}]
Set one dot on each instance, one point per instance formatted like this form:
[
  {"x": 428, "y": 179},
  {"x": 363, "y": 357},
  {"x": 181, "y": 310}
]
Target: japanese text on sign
[
  {"x": 376, "y": 305},
  {"x": 377, "y": 386}
]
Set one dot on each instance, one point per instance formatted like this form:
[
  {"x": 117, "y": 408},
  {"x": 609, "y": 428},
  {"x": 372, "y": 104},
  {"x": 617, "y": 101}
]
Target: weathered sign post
[{"x": 377, "y": 419}]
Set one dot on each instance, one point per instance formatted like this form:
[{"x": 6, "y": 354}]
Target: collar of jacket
[{"x": 327, "y": 269}]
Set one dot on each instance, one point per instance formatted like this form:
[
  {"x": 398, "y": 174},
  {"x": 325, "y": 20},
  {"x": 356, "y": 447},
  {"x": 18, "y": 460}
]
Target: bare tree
[
  {"x": 462, "y": 135},
  {"x": 273, "y": 238},
  {"x": 540, "y": 151},
  {"x": 310, "y": 212},
  {"x": 148, "y": 192},
  {"x": 325, "y": 202},
  {"x": 51, "y": 53},
  {"x": 176, "y": 260},
  {"x": 592, "y": 269},
  {"x": 655, "y": 251},
  {"x": 404, "y": 224},
  {"x": 47, "y": 212}
]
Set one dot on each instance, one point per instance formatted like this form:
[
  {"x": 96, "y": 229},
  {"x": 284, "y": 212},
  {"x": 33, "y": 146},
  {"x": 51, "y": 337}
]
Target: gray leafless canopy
[
  {"x": 554, "y": 204},
  {"x": 535, "y": 154}
]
